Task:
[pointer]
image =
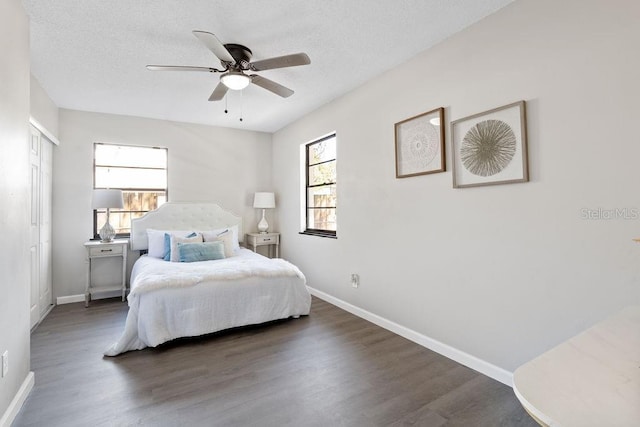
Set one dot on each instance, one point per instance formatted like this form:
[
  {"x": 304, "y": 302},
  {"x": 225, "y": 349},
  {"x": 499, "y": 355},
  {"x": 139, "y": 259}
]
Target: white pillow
[
  {"x": 175, "y": 255},
  {"x": 226, "y": 237},
  {"x": 155, "y": 248},
  {"x": 236, "y": 241},
  {"x": 212, "y": 235}
]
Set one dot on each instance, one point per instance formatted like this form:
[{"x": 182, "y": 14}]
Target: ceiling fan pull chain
[
  {"x": 241, "y": 99},
  {"x": 226, "y": 110}
]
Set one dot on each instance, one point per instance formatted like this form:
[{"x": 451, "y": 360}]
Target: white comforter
[{"x": 170, "y": 300}]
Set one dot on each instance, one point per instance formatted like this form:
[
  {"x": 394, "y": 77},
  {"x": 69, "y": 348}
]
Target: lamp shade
[
  {"x": 264, "y": 201},
  {"x": 107, "y": 198}
]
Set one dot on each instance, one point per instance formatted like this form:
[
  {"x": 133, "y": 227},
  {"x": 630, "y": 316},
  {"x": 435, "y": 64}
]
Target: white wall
[
  {"x": 42, "y": 108},
  {"x": 206, "y": 163},
  {"x": 14, "y": 185},
  {"x": 500, "y": 272}
]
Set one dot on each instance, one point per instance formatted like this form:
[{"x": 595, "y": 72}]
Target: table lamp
[
  {"x": 264, "y": 201},
  {"x": 107, "y": 198}
]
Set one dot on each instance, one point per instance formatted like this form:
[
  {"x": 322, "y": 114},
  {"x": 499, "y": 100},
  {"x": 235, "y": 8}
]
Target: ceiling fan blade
[
  {"x": 180, "y": 68},
  {"x": 219, "y": 92},
  {"x": 214, "y": 45},
  {"x": 271, "y": 86},
  {"x": 281, "y": 62}
]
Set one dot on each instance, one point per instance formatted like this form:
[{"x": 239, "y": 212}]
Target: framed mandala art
[
  {"x": 420, "y": 144},
  {"x": 491, "y": 147}
]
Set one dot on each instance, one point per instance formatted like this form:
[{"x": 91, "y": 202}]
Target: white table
[
  {"x": 272, "y": 240},
  {"x": 97, "y": 250},
  {"x": 593, "y": 379}
]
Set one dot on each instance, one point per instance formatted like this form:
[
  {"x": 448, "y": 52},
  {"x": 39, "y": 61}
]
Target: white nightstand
[
  {"x": 253, "y": 240},
  {"x": 97, "y": 250}
]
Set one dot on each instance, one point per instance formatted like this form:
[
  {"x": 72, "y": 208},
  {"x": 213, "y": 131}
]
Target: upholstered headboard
[{"x": 182, "y": 216}]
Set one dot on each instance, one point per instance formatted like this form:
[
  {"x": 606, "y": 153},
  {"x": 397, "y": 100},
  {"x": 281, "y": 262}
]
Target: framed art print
[
  {"x": 420, "y": 144},
  {"x": 490, "y": 148}
]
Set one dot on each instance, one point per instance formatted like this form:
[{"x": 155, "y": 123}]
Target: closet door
[
  {"x": 45, "y": 213},
  {"x": 41, "y": 159},
  {"x": 34, "y": 226}
]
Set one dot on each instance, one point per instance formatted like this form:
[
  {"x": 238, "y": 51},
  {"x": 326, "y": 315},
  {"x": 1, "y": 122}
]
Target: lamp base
[
  {"x": 263, "y": 226},
  {"x": 107, "y": 233}
]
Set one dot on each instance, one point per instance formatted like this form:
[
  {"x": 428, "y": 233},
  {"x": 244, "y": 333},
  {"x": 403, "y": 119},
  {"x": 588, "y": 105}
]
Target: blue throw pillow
[
  {"x": 206, "y": 251},
  {"x": 166, "y": 255}
]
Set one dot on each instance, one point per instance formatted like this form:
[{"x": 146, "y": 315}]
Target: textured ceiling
[{"x": 91, "y": 54}]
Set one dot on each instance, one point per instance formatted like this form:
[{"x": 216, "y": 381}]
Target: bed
[{"x": 173, "y": 299}]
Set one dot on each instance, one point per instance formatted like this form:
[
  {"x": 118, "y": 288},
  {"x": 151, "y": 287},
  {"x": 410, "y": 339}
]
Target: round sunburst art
[{"x": 488, "y": 147}]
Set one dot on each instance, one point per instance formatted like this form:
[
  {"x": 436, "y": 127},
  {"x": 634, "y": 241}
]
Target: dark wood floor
[{"x": 328, "y": 369}]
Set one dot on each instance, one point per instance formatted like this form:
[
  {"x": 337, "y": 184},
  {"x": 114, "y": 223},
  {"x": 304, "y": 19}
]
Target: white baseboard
[
  {"x": 452, "y": 353},
  {"x": 14, "y": 407},
  {"x": 70, "y": 299},
  {"x": 94, "y": 295}
]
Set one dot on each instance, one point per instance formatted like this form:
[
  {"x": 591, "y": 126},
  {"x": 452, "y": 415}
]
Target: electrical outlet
[
  {"x": 355, "y": 280},
  {"x": 5, "y": 363}
]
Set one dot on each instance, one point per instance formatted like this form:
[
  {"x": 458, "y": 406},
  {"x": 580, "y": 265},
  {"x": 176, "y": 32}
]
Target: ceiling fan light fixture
[{"x": 235, "y": 80}]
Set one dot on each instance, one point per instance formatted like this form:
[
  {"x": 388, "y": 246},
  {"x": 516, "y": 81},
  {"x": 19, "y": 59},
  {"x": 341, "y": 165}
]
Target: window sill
[
  {"x": 117, "y": 236},
  {"x": 319, "y": 234}
]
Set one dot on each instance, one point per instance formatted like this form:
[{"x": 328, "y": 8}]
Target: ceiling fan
[{"x": 235, "y": 58}]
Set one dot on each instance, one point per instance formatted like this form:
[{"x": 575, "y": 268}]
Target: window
[
  {"x": 141, "y": 174},
  {"x": 320, "y": 171}
]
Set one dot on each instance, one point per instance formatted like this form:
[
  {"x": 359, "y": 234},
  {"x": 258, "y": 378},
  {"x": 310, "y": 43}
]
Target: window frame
[
  {"x": 316, "y": 231},
  {"x": 96, "y": 229}
]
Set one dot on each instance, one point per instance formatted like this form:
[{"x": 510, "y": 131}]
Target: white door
[
  {"x": 45, "y": 211},
  {"x": 34, "y": 225}
]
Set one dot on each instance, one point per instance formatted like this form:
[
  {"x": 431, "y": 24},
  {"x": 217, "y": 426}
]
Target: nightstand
[
  {"x": 97, "y": 250},
  {"x": 253, "y": 240}
]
